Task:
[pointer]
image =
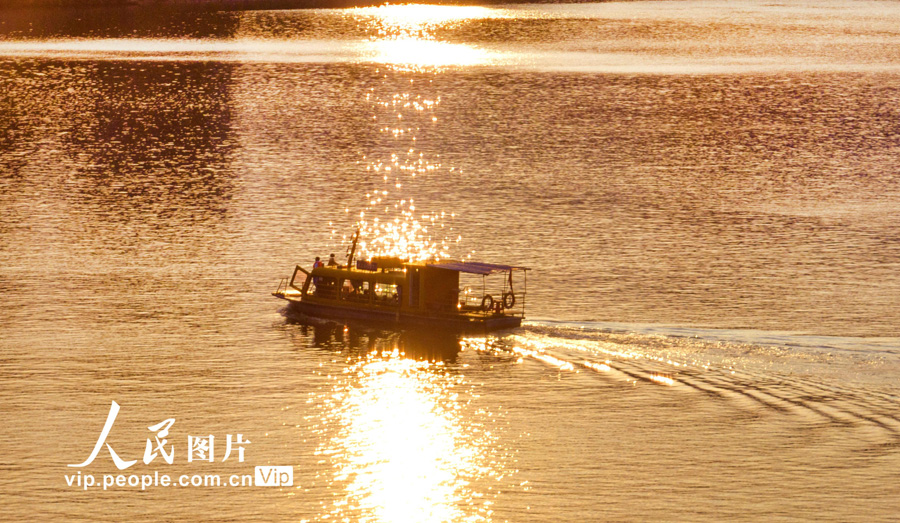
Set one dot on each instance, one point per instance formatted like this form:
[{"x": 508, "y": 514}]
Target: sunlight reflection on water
[
  {"x": 654, "y": 38},
  {"x": 402, "y": 446},
  {"x": 425, "y": 53}
]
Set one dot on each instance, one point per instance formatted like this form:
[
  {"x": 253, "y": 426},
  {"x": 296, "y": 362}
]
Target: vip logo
[{"x": 273, "y": 476}]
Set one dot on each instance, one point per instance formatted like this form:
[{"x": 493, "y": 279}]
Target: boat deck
[{"x": 469, "y": 321}]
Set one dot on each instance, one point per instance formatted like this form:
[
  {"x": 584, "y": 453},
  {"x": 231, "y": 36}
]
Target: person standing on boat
[
  {"x": 316, "y": 280},
  {"x": 331, "y": 261}
]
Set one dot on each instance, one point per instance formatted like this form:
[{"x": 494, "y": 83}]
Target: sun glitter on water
[
  {"x": 391, "y": 222},
  {"x": 404, "y": 36},
  {"x": 404, "y": 446},
  {"x": 400, "y": 22}
]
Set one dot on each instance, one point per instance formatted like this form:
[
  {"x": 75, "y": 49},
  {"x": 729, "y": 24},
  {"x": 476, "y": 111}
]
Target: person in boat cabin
[{"x": 316, "y": 264}]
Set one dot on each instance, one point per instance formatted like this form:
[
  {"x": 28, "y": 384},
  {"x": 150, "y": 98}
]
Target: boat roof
[{"x": 476, "y": 267}]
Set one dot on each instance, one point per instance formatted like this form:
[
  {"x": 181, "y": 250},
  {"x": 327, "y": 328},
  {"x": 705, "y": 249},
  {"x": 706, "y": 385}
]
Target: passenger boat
[{"x": 459, "y": 295}]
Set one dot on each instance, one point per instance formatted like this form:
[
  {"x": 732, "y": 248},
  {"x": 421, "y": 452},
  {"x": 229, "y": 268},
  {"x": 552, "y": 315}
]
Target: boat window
[
  {"x": 323, "y": 287},
  {"x": 387, "y": 294},
  {"x": 356, "y": 290}
]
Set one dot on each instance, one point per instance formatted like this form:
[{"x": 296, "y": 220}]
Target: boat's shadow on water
[{"x": 365, "y": 338}]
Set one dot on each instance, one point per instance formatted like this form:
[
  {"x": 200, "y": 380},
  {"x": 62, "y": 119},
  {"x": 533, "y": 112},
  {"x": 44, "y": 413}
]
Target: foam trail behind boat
[{"x": 801, "y": 378}]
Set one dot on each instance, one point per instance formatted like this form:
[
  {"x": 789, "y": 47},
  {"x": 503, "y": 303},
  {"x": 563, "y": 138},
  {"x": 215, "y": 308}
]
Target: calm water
[{"x": 707, "y": 193}]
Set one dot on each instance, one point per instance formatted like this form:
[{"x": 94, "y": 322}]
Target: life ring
[
  {"x": 509, "y": 300},
  {"x": 487, "y": 303}
]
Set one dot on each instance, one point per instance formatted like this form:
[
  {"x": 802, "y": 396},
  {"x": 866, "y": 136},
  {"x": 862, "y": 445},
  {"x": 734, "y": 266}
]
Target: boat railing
[
  {"x": 490, "y": 305},
  {"x": 282, "y": 287}
]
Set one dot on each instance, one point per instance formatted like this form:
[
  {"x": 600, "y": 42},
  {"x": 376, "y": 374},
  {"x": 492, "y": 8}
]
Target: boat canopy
[{"x": 477, "y": 267}]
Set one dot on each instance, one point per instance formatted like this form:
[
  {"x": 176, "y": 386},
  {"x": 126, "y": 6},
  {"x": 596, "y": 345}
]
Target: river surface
[{"x": 707, "y": 194}]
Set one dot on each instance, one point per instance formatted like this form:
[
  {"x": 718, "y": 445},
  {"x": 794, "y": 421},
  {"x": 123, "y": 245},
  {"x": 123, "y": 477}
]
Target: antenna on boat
[{"x": 352, "y": 249}]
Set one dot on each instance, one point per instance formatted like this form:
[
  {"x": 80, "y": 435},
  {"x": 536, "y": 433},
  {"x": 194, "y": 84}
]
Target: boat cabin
[{"x": 418, "y": 292}]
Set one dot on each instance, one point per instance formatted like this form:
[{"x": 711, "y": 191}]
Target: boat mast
[{"x": 352, "y": 249}]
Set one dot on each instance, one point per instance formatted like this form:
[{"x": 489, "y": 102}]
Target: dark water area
[
  {"x": 124, "y": 22},
  {"x": 706, "y": 194}
]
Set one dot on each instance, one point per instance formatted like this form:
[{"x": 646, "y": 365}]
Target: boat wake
[{"x": 846, "y": 382}]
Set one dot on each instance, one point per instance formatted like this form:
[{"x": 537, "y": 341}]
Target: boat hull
[{"x": 402, "y": 318}]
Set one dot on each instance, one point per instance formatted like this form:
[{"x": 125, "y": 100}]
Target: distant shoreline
[
  {"x": 217, "y": 4},
  {"x": 182, "y": 4}
]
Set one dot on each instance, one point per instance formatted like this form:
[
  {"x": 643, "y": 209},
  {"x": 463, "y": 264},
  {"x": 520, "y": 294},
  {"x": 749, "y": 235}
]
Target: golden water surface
[{"x": 706, "y": 192}]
